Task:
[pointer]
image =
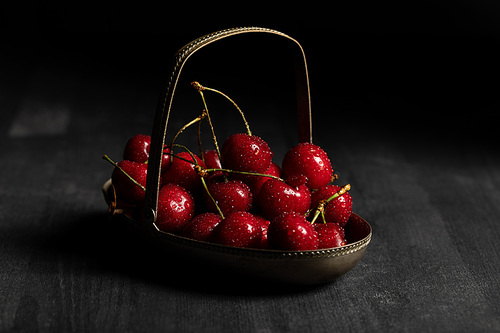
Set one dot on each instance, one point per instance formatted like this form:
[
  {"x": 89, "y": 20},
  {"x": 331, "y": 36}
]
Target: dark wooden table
[{"x": 414, "y": 136}]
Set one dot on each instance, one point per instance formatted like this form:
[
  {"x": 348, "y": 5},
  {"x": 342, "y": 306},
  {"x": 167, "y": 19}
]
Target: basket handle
[{"x": 165, "y": 103}]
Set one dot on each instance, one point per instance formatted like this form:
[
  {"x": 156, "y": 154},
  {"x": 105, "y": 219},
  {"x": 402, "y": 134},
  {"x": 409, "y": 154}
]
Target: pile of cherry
[{"x": 236, "y": 195}]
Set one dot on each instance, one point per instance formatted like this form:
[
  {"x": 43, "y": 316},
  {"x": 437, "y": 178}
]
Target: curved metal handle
[{"x": 165, "y": 104}]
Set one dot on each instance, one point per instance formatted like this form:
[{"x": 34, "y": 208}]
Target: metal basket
[{"x": 296, "y": 267}]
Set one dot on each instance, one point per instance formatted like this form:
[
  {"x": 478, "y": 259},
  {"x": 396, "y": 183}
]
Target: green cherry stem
[
  {"x": 106, "y": 158},
  {"x": 201, "y": 172},
  {"x": 212, "y": 198},
  {"x": 198, "y": 132},
  {"x": 194, "y": 161},
  {"x": 194, "y": 121},
  {"x": 200, "y": 88},
  {"x": 321, "y": 205},
  {"x": 244, "y": 173}
]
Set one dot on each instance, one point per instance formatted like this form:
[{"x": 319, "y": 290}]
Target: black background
[{"x": 430, "y": 64}]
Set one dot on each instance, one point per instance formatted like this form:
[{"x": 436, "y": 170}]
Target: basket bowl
[{"x": 292, "y": 267}]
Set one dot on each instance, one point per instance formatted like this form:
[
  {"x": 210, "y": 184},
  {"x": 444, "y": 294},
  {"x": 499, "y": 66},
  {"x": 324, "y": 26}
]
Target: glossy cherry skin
[
  {"x": 211, "y": 159},
  {"x": 182, "y": 172},
  {"x": 311, "y": 161},
  {"x": 264, "y": 224},
  {"x": 239, "y": 229},
  {"x": 243, "y": 152},
  {"x": 201, "y": 226},
  {"x": 330, "y": 235},
  {"x": 166, "y": 160},
  {"x": 277, "y": 197},
  {"x": 255, "y": 182},
  {"x": 337, "y": 210},
  {"x": 292, "y": 232},
  {"x": 176, "y": 208},
  {"x": 233, "y": 195},
  {"x": 125, "y": 188},
  {"x": 137, "y": 148}
]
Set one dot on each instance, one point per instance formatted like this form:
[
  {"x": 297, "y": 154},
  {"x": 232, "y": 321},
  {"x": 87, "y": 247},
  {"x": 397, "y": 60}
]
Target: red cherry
[
  {"x": 166, "y": 160},
  {"x": 330, "y": 235},
  {"x": 264, "y": 224},
  {"x": 255, "y": 182},
  {"x": 211, "y": 159},
  {"x": 277, "y": 197},
  {"x": 337, "y": 210},
  {"x": 201, "y": 226},
  {"x": 239, "y": 229},
  {"x": 175, "y": 208},
  {"x": 125, "y": 188},
  {"x": 248, "y": 153},
  {"x": 182, "y": 172},
  {"x": 137, "y": 148},
  {"x": 311, "y": 161},
  {"x": 292, "y": 232},
  {"x": 233, "y": 195}
]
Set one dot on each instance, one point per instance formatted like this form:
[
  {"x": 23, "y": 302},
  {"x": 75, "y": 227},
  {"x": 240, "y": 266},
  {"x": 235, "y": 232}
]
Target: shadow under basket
[{"x": 293, "y": 267}]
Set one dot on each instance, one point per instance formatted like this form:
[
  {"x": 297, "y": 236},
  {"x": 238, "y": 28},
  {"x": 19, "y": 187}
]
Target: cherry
[
  {"x": 311, "y": 161},
  {"x": 211, "y": 159},
  {"x": 277, "y": 197},
  {"x": 126, "y": 189},
  {"x": 239, "y": 229},
  {"x": 292, "y": 232},
  {"x": 264, "y": 224},
  {"x": 233, "y": 195},
  {"x": 175, "y": 208},
  {"x": 247, "y": 153},
  {"x": 201, "y": 226},
  {"x": 137, "y": 148},
  {"x": 182, "y": 172},
  {"x": 256, "y": 182},
  {"x": 165, "y": 160},
  {"x": 330, "y": 235},
  {"x": 337, "y": 210}
]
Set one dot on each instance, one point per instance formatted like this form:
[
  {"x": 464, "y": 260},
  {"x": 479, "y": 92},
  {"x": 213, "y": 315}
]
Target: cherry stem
[
  {"x": 200, "y": 146},
  {"x": 193, "y": 161},
  {"x": 194, "y": 121},
  {"x": 320, "y": 209},
  {"x": 244, "y": 173},
  {"x": 212, "y": 198},
  {"x": 340, "y": 192},
  {"x": 105, "y": 157},
  {"x": 201, "y": 172},
  {"x": 200, "y": 88}
]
